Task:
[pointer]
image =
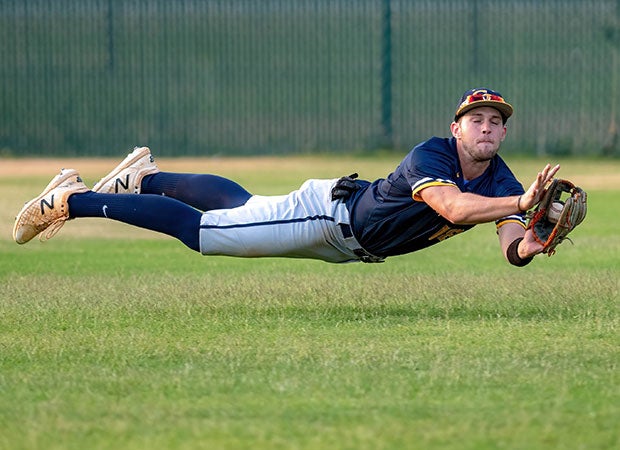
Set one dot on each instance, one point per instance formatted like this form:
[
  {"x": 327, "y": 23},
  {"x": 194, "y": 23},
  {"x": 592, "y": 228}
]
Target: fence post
[
  {"x": 110, "y": 36},
  {"x": 612, "y": 35},
  {"x": 475, "y": 63},
  {"x": 386, "y": 76}
]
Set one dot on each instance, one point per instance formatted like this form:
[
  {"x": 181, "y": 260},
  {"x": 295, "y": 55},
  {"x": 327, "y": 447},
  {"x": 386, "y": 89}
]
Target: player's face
[{"x": 479, "y": 133}]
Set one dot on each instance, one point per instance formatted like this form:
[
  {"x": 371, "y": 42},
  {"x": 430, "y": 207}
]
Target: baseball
[{"x": 554, "y": 211}]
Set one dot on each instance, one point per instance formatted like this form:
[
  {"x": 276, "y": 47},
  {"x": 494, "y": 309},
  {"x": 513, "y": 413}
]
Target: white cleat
[
  {"x": 50, "y": 209},
  {"x": 126, "y": 178}
]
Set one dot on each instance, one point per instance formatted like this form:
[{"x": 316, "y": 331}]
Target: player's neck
[
  {"x": 474, "y": 161},
  {"x": 471, "y": 168}
]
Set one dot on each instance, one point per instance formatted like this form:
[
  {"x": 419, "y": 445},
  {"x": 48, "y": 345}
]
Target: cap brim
[{"x": 504, "y": 108}]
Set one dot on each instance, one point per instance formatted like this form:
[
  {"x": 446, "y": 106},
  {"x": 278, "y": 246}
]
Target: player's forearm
[
  {"x": 527, "y": 245},
  {"x": 467, "y": 208}
]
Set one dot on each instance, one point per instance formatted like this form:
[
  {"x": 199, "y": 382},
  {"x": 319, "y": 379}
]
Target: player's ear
[
  {"x": 503, "y": 134},
  {"x": 455, "y": 128}
]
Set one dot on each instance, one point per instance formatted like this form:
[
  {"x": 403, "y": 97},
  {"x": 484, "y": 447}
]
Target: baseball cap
[{"x": 474, "y": 98}]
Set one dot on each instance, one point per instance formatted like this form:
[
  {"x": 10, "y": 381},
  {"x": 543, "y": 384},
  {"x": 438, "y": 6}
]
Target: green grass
[{"x": 139, "y": 343}]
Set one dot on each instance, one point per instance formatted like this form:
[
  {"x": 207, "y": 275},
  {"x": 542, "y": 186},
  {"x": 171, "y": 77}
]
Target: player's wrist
[
  {"x": 520, "y": 209},
  {"x": 515, "y": 255}
]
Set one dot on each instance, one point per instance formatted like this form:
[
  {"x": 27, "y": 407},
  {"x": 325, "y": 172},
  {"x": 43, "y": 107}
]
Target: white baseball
[{"x": 554, "y": 211}]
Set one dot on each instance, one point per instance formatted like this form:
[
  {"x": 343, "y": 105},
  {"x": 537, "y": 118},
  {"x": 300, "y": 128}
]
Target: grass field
[{"x": 112, "y": 337}]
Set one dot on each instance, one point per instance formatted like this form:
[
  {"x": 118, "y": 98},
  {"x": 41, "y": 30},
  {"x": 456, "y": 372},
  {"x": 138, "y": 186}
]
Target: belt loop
[
  {"x": 346, "y": 230},
  {"x": 352, "y": 244}
]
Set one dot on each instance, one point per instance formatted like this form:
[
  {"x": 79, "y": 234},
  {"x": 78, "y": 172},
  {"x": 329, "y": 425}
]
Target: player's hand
[
  {"x": 529, "y": 246},
  {"x": 344, "y": 187},
  {"x": 533, "y": 195}
]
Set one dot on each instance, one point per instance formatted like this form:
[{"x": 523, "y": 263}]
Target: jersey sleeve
[
  {"x": 515, "y": 218},
  {"x": 432, "y": 163}
]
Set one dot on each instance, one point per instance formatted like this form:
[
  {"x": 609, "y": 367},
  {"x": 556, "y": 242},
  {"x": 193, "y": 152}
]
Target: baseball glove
[{"x": 551, "y": 226}]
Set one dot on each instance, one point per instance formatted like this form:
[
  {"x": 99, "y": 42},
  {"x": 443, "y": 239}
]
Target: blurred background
[{"x": 245, "y": 77}]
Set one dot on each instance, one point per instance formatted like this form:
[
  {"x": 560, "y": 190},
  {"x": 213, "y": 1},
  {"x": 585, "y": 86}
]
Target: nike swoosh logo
[{"x": 105, "y": 207}]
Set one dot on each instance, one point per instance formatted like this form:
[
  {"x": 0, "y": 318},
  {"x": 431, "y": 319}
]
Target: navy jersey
[{"x": 388, "y": 217}]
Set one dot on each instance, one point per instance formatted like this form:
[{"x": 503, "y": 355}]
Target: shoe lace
[{"x": 52, "y": 229}]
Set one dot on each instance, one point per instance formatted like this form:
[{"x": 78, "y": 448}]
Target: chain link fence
[{"x": 233, "y": 77}]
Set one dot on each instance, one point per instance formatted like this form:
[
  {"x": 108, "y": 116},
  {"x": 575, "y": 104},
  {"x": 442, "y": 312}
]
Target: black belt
[{"x": 355, "y": 247}]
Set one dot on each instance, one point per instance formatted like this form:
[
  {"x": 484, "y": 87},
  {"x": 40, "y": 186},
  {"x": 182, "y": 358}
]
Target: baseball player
[{"x": 442, "y": 188}]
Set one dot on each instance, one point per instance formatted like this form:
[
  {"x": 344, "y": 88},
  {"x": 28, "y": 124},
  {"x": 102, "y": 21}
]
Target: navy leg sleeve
[
  {"x": 153, "y": 212},
  {"x": 202, "y": 191}
]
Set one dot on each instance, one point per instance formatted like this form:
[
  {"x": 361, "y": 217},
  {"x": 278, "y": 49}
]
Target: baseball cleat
[
  {"x": 126, "y": 178},
  {"x": 50, "y": 209}
]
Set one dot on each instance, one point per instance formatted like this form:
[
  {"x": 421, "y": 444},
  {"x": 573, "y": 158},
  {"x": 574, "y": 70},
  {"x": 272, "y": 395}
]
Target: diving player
[{"x": 443, "y": 187}]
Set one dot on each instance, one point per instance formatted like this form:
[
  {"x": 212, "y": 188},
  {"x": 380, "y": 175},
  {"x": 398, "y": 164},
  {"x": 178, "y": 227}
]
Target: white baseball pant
[{"x": 303, "y": 224}]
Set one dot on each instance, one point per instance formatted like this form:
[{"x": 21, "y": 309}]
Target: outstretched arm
[
  {"x": 526, "y": 248},
  {"x": 467, "y": 208}
]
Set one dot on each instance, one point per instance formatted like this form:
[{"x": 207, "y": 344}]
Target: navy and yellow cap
[{"x": 474, "y": 98}]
